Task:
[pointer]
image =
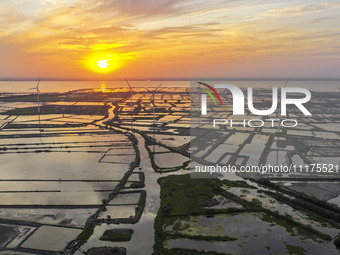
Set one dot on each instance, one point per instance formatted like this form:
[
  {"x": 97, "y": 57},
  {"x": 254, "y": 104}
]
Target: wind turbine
[
  {"x": 153, "y": 101},
  {"x": 130, "y": 102},
  {"x": 38, "y": 101},
  {"x": 154, "y": 121}
]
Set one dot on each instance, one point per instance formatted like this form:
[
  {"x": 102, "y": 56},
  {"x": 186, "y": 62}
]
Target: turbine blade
[
  {"x": 128, "y": 84},
  {"x": 38, "y": 83},
  {"x": 286, "y": 83},
  {"x": 158, "y": 86}
]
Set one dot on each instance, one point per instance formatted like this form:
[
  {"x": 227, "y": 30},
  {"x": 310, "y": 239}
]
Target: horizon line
[{"x": 177, "y": 79}]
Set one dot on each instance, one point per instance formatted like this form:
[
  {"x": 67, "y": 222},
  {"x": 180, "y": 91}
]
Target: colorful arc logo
[
  {"x": 204, "y": 97},
  {"x": 209, "y": 93}
]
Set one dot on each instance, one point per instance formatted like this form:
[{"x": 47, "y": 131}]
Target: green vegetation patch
[
  {"x": 203, "y": 237},
  {"x": 337, "y": 241},
  {"x": 182, "y": 195},
  {"x": 117, "y": 235},
  {"x": 293, "y": 227},
  {"x": 85, "y": 235},
  {"x": 107, "y": 251},
  {"x": 295, "y": 250}
]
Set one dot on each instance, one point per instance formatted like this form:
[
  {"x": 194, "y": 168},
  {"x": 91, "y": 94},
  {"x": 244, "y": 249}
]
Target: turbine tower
[
  {"x": 153, "y": 102},
  {"x": 130, "y": 102},
  {"x": 38, "y": 101},
  {"x": 153, "y": 110}
]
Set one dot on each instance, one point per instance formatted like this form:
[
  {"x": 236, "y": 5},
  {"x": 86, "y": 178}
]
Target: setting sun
[{"x": 102, "y": 63}]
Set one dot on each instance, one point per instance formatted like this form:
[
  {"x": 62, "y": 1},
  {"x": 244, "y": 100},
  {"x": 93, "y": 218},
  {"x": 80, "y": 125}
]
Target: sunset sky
[{"x": 111, "y": 39}]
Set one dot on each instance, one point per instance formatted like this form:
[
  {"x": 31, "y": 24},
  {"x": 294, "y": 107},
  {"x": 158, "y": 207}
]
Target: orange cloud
[{"x": 165, "y": 38}]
